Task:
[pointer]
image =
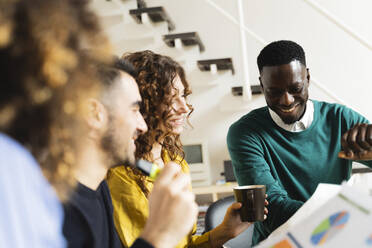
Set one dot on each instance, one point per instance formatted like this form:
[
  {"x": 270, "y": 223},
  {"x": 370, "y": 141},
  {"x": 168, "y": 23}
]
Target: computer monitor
[
  {"x": 196, "y": 155},
  {"x": 193, "y": 153}
]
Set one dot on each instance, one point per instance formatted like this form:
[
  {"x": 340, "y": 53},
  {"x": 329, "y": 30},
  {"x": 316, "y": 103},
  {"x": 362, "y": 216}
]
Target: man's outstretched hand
[{"x": 357, "y": 143}]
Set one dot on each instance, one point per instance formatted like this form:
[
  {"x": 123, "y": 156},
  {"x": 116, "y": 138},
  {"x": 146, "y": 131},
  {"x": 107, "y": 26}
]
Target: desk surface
[{"x": 224, "y": 188}]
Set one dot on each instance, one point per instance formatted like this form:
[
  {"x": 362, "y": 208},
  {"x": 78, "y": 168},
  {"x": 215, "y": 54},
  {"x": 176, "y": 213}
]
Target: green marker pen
[{"x": 149, "y": 169}]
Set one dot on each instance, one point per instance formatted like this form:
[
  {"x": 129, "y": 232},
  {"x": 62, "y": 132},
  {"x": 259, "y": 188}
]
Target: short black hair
[
  {"x": 280, "y": 53},
  {"x": 125, "y": 66},
  {"x": 108, "y": 73}
]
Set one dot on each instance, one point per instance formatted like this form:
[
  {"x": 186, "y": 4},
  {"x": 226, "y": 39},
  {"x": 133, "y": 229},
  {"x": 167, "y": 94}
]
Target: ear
[
  {"x": 97, "y": 116},
  {"x": 259, "y": 78},
  {"x": 308, "y": 76}
]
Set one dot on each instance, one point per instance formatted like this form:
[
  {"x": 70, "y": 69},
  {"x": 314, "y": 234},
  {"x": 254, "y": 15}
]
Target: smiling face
[
  {"x": 286, "y": 90},
  {"x": 125, "y": 121},
  {"x": 164, "y": 90},
  {"x": 179, "y": 107}
]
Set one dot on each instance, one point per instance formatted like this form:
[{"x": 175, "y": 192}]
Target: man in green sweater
[{"x": 292, "y": 145}]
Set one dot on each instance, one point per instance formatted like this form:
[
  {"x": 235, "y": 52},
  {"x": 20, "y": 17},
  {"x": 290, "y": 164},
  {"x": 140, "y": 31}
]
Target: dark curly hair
[
  {"x": 279, "y": 53},
  {"x": 45, "y": 76},
  {"x": 155, "y": 76}
]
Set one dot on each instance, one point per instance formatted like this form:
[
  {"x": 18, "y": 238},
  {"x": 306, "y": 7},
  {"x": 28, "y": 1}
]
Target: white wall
[{"x": 338, "y": 62}]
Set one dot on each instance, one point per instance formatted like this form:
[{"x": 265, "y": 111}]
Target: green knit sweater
[{"x": 290, "y": 164}]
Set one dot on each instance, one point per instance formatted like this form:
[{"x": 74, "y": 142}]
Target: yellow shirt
[{"x": 131, "y": 206}]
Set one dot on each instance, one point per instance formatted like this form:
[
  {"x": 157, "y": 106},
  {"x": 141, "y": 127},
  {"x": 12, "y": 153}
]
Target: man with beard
[
  {"x": 114, "y": 122},
  {"x": 292, "y": 145}
]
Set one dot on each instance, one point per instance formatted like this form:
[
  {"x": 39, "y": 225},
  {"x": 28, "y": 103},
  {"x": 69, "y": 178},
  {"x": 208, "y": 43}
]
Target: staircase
[{"x": 133, "y": 25}]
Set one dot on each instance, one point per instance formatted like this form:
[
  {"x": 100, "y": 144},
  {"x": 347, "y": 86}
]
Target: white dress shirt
[
  {"x": 299, "y": 125},
  {"x": 30, "y": 212}
]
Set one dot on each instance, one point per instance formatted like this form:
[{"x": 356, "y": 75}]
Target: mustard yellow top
[{"x": 131, "y": 205}]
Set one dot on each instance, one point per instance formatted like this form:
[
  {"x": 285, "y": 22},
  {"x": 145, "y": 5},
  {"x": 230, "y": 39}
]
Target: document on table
[
  {"x": 342, "y": 220},
  {"x": 322, "y": 194}
]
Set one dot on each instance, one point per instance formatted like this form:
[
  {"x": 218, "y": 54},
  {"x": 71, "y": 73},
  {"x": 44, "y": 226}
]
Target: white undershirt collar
[{"x": 299, "y": 125}]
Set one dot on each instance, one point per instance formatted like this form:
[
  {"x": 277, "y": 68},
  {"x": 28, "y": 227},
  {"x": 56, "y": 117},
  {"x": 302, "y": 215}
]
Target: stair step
[
  {"x": 256, "y": 89},
  {"x": 203, "y": 79},
  {"x": 156, "y": 45},
  {"x": 236, "y": 104},
  {"x": 187, "y": 39},
  {"x": 214, "y": 65},
  {"x": 182, "y": 55},
  {"x": 238, "y": 90},
  {"x": 155, "y": 14},
  {"x": 141, "y": 4}
]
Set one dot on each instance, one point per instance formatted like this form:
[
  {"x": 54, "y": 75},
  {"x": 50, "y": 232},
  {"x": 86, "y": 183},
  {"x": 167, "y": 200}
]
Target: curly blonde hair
[
  {"x": 155, "y": 77},
  {"x": 45, "y": 76}
]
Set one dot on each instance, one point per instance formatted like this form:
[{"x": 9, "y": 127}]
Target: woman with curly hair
[{"x": 164, "y": 90}]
